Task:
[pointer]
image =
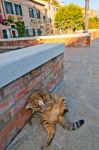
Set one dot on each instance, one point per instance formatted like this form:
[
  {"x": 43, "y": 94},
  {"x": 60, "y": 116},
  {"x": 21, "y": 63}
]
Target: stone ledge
[
  {"x": 73, "y": 40},
  {"x": 15, "y": 64},
  {"x": 48, "y": 37}
]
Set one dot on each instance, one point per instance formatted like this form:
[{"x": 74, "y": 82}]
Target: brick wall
[
  {"x": 13, "y": 97},
  {"x": 78, "y": 41},
  {"x": 74, "y": 40},
  {"x": 94, "y": 34}
]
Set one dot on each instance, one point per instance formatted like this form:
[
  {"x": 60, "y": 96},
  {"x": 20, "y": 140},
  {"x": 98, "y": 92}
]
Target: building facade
[{"x": 19, "y": 18}]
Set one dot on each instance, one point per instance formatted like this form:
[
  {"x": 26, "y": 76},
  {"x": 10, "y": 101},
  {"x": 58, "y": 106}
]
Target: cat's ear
[
  {"x": 28, "y": 106},
  {"x": 64, "y": 99}
]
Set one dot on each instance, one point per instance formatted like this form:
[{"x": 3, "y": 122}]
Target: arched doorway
[{"x": 14, "y": 33}]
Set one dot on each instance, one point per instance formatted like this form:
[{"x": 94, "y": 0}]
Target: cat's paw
[{"x": 42, "y": 147}]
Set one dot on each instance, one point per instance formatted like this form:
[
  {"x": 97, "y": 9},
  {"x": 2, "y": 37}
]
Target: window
[
  {"x": 8, "y": 7},
  {"x": 31, "y": 13},
  {"x": 27, "y": 32},
  {"x": 50, "y": 20},
  {"x": 43, "y": 17},
  {"x": 54, "y": 9},
  {"x": 39, "y": 31},
  {"x": 38, "y": 14},
  {"x": 18, "y": 9},
  {"x": 5, "y": 35},
  {"x": 33, "y": 32}
]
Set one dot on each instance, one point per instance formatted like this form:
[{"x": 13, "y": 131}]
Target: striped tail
[{"x": 73, "y": 125}]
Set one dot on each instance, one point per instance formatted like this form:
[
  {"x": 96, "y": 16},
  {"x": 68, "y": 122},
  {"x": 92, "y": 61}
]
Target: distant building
[{"x": 36, "y": 15}]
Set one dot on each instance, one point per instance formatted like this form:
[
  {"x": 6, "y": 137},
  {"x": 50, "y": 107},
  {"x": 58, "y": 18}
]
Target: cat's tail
[{"x": 73, "y": 125}]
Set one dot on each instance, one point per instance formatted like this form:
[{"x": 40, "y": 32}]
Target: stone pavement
[{"x": 81, "y": 89}]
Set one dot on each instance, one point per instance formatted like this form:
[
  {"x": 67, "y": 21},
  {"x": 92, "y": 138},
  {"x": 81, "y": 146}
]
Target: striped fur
[
  {"x": 51, "y": 108},
  {"x": 53, "y": 114},
  {"x": 37, "y": 101}
]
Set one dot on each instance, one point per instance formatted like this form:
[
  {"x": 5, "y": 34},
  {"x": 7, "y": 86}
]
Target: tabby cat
[
  {"x": 51, "y": 113},
  {"x": 37, "y": 101}
]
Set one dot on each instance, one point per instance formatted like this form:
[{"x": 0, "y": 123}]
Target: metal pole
[{"x": 86, "y": 16}]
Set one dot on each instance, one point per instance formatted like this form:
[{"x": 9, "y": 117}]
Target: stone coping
[
  {"x": 15, "y": 64},
  {"x": 48, "y": 37},
  {"x": 65, "y": 36}
]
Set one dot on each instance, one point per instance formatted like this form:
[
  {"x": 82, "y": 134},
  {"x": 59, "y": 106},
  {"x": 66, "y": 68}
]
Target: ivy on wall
[{"x": 20, "y": 28}]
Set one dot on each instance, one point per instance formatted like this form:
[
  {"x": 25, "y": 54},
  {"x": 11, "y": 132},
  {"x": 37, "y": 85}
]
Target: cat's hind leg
[{"x": 50, "y": 134}]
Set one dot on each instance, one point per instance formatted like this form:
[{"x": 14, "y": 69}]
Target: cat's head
[
  {"x": 34, "y": 101},
  {"x": 31, "y": 106}
]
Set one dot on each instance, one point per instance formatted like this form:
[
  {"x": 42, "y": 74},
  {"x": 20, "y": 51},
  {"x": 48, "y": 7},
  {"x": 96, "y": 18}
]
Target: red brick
[
  {"x": 6, "y": 104},
  {"x": 11, "y": 136},
  {"x": 2, "y": 144},
  {"x": 19, "y": 94},
  {"x": 45, "y": 66},
  {"x": 10, "y": 130},
  {"x": 18, "y": 106},
  {"x": 14, "y": 86},
  {"x": 37, "y": 87},
  {"x": 4, "y": 119},
  {"x": 54, "y": 66},
  {"x": 35, "y": 72},
  {"x": 51, "y": 85},
  {"x": 47, "y": 72},
  {"x": 47, "y": 80},
  {"x": 34, "y": 82},
  {"x": 24, "y": 114}
]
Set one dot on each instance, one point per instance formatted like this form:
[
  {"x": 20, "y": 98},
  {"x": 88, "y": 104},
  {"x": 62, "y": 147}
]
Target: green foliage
[
  {"x": 20, "y": 28},
  {"x": 69, "y": 16},
  {"x": 93, "y": 23},
  {"x": 6, "y": 22},
  {"x": 11, "y": 19}
]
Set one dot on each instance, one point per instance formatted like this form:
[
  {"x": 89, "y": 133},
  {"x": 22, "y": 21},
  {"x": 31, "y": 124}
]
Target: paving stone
[{"x": 81, "y": 89}]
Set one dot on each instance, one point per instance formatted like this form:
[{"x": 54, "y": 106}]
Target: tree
[
  {"x": 69, "y": 16},
  {"x": 93, "y": 23}
]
